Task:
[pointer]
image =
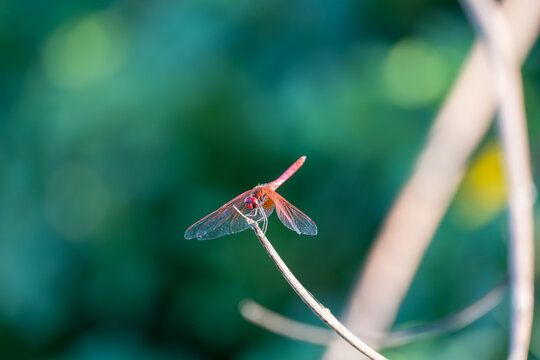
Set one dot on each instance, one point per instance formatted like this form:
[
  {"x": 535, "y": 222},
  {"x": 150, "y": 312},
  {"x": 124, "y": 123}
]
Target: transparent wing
[
  {"x": 290, "y": 216},
  {"x": 225, "y": 220}
]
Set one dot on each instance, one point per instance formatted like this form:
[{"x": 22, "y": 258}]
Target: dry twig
[
  {"x": 274, "y": 322},
  {"x": 492, "y": 25},
  {"x": 322, "y": 312},
  {"x": 279, "y": 324}
]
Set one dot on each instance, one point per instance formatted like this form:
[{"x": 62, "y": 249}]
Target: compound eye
[{"x": 251, "y": 202}]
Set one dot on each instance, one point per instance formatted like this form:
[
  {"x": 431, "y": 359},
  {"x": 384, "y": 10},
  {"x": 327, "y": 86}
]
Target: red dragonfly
[{"x": 257, "y": 203}]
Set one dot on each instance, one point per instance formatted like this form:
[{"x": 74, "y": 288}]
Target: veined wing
[
  {"x": 224, "y": 221},
  {"x": 290, "y": 216}
]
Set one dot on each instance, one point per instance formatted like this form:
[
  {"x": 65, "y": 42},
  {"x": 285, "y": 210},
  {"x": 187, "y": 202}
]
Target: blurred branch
[
  {"x": 322, "y": 312},
  {"x": 451, "y": 322},
  {"x": 279, "y": 324},
  {"x": 274, "y": 322},
  {"x": 494, "y": 29},
  {"x": 460, "y": 125}
]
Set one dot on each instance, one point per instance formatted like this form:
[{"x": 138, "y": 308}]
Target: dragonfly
[{"x": 258, "y": 204}]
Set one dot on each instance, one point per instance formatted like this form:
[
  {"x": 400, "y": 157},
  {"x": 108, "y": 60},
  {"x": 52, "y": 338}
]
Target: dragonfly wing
[
  {"x": 223, "y": 221},
  {"x": 290, "y": 216}
]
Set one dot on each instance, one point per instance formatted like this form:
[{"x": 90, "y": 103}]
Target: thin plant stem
[
  {"x": 492, "y": 26},
  {"x": 322, "y": 312}
]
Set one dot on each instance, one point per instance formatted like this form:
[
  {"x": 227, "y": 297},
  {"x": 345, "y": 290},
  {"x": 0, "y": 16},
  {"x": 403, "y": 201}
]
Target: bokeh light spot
[
  {"x": 85, "y": 51},
  {"x": 77, "y": 201},
  {"x": 413, "y": 74},
  {"x": 483, "y": 193}
]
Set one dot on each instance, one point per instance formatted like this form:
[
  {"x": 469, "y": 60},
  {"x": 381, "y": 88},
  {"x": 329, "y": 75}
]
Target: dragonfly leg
[
  {"x": 253, "y": 213},
  {"x": 265, "y": 220}
]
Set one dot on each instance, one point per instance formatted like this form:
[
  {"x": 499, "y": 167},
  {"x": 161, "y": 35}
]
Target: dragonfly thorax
[{"x": 256, "y": 198}]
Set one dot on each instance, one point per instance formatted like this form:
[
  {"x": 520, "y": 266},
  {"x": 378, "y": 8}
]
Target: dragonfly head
[{"x": 251, "y": 202}]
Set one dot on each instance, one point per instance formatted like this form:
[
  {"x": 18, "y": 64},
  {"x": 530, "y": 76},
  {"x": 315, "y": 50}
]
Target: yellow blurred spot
[
  {"x": 87, "y": 50},
  {"x": 413, "y": 74},
  {"x": 483, "y": 194}
]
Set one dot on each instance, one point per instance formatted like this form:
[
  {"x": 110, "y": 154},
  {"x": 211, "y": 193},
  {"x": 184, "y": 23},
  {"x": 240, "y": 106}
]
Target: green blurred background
[{"x": 123, "y": 122}]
